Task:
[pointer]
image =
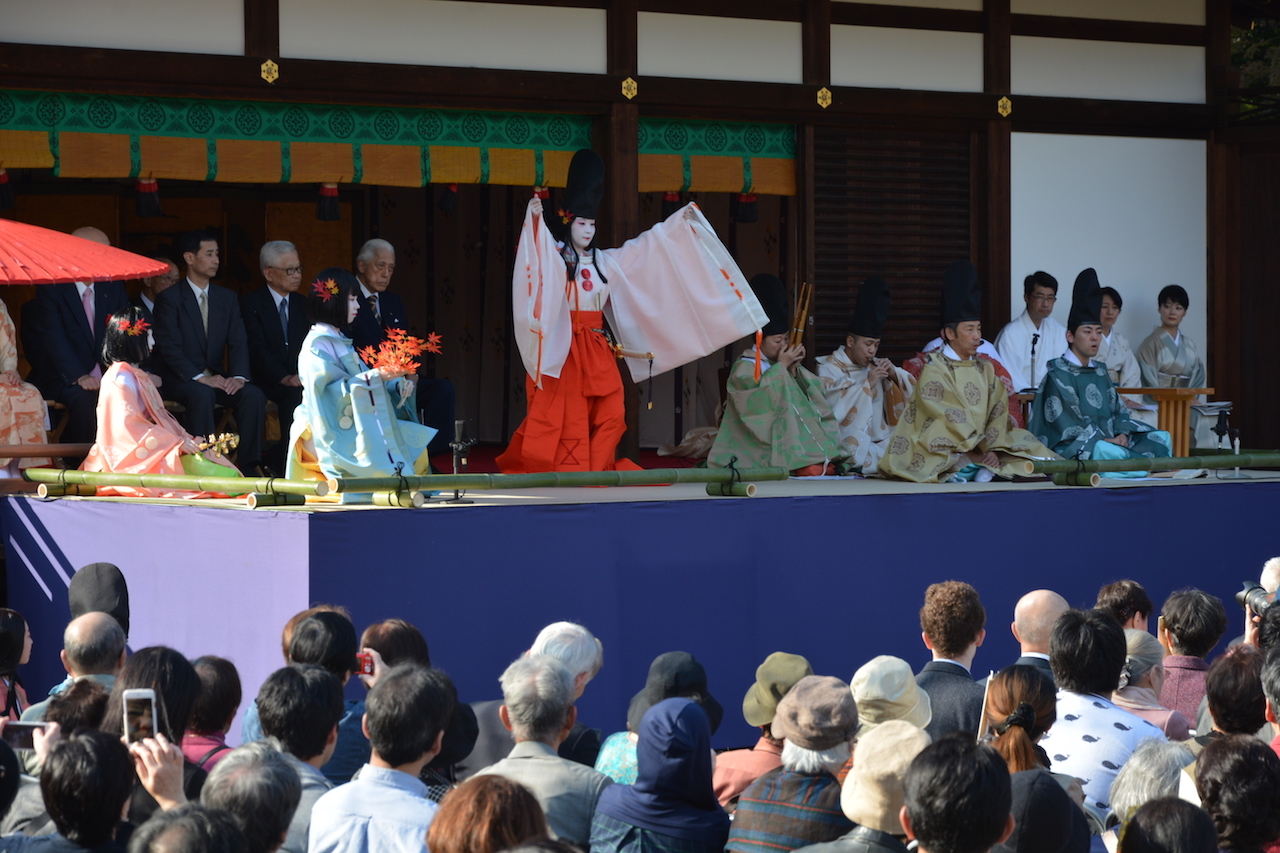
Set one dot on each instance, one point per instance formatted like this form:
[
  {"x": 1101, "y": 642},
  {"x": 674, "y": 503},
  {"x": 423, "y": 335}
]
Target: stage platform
[{"x": 831, "y": 569}]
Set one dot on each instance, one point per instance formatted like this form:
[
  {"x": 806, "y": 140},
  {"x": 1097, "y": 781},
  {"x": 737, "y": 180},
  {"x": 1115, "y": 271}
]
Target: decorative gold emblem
[
  {"x": 1004, "y": 106},
  {"x": 824, "y": 97},
  {"x": 270, "y": 71},
  {"x": 629, "y": 88}
]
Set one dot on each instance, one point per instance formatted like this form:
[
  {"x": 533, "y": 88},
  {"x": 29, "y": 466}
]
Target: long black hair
[
  {"x": 563, "y": 232},
  {"x": 333, "y": 309},
  {"x": 13, "y": 639},
  {"x": 124, "y": 340}
]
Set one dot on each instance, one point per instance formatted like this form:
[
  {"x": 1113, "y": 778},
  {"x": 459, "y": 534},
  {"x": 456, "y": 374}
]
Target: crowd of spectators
[{"x": 1076, "y": 746}]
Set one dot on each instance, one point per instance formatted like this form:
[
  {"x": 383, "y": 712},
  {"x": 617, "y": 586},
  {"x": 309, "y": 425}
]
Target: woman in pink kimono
[
  {"x": 22, "y": 410},
  {"x": 136, "y": 434}
]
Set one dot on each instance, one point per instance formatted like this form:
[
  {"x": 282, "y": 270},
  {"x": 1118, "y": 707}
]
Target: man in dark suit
[
  {"x": 151, "y": 287},
  {"x": 68, "y": 367},
  {"x": 380, "y": 311},
  {"x": 203, "y": 353},
  {"x": 275, "y": 321},
  {"x": 1033, "y": 619},
  {"x": 953, "y": 625}
]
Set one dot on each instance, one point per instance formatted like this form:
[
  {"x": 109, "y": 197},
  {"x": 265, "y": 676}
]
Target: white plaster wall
[
  {"x": 190, "y": 26},
  {"x": 880, "y": 57},
  {"x": 709, "y": 48},
  {"x": 971, "y": 5},
  {"x": 442, "y": 32},
  {"x": 1152, "y": 11},
  {"x": 1074, "y": 68},
  {"x": 1133, "y": 209}
]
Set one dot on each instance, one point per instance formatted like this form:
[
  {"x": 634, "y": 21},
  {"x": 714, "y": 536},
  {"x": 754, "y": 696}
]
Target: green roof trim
[{"x": 688, "y": 137}]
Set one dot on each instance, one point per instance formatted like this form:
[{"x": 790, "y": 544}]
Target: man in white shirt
[
  {"x": 1028, "y": 342},
  {"x": 385, "y": 809}
]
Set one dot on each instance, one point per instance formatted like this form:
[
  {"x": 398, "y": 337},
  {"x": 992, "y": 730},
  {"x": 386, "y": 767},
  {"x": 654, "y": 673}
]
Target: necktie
[
  {"x": 204, "y": 310},
  {"x": 89, "y": 313},
  {"x": 284, "y": 319},
  {"x": 373, "y": 303}
]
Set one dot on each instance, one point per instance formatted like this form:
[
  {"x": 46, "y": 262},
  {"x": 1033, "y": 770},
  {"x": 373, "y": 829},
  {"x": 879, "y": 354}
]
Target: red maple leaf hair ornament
[
  {"x": 132, "y": 329},
  {"x": 326, "y": 288}
]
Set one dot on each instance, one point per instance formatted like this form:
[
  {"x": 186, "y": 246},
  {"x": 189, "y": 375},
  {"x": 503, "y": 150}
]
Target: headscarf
[{"x": 672, "y": 794}]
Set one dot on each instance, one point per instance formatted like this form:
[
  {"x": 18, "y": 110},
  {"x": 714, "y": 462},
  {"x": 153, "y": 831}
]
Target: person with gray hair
[
  {"x": 1152, "y": 772},
  {"x": 256, "y": 784},
  {"x": 275, "y": 322},
  {"x": 1140, "y": 683},
  {"x": 537, "y": 708},
  {"x": 583, "y": 655},
  {"x": 93, "y": 648},
  {"x": 380, "y": 312}
]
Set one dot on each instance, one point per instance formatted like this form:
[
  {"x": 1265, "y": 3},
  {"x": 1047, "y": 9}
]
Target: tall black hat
[
  {"x": 1086, "y": 301},
  {"x": 772, "y": 294},
  {"x": 585, "y": 187},
  {"x": 871, "y": 310},
  {"x": 961, "y": 296}
]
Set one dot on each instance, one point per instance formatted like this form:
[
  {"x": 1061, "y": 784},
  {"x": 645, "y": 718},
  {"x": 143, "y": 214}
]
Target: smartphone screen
[
  {"x": 21, "y": 735},
  {"x": 140, "y": 718}
]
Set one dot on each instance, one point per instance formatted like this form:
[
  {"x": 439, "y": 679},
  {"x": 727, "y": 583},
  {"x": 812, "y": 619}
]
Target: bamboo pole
[
  {"x": 1267, "y": 459},
  {"x": 52, "y": 490},
  {"x": 735, "y": 490},
  {"x": 553, "y": 479},
  {"x": 182, "y": 482},
  {"x": 262, "y": 500},
  {"x": 1076, "y": 478},
  {"x": 407, "y": 500}
]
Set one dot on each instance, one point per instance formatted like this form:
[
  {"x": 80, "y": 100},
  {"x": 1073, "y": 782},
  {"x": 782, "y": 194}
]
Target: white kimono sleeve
[{"x": 540, "y": 304}]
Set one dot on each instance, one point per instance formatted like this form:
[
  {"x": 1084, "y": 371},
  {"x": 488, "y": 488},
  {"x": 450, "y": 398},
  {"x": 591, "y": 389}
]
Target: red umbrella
[{"x": 30, "y": 254}]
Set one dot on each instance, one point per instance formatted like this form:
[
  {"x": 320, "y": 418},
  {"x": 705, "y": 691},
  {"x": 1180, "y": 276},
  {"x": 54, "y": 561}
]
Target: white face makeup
[{"x": 582, "y": 232}]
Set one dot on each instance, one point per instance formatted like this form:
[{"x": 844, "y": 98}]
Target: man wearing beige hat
[
  {"x": 799, "y": 803},
  {"x": 885, "y": 689},
  {"x": 872, "y": 795},
  {"x": 738, "y": 768}
]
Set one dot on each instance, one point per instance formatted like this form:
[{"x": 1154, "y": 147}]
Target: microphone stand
[{"x": 460, "y": 448}]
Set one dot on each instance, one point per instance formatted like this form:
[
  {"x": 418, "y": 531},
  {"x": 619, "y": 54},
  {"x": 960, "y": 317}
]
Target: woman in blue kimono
[{"x": 347, "y": 424}]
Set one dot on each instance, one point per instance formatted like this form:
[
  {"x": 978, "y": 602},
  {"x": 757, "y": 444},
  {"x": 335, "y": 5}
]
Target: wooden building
[{"x": 888, "y": 137}]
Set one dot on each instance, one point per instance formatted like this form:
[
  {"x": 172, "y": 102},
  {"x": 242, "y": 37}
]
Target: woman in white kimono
[
  {"x": 346, "y": 425},
  {"x": 1170, "y": 359},
  {"x": 1116, "y": 353}
]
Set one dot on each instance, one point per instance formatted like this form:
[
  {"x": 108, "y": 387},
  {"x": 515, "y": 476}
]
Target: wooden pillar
[
  {"x": 816, "y": 70},
  {"x": 262, "y": 28},
  {"x": 996, "y": 272},
  {"x": 617, "y": 140}
]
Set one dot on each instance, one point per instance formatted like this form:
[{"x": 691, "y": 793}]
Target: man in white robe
[
  {"x": 1034, "y": 337},
  {"x": 865, "y": 391}
]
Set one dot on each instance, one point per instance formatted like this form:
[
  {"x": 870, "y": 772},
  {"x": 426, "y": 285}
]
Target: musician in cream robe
[
  {"x": 861, "y": 388},
  {"x": 1034, "y": 337},
  {"x": 1168, "y": 358}
]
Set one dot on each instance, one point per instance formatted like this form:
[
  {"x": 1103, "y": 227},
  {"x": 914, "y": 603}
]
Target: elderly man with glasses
[
  {"x": 275, "y": 321},
  {"x": 1034, "y": 337}
]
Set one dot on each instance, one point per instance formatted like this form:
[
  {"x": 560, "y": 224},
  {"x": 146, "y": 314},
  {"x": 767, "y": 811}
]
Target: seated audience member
[
  {"x": 872, "y": 793},
  {"x": 1045, "y": 818},
  {"x": 737, "y": 768},
  {"x": 486, "y": 814},
  {"x": 399, "y": 642},
  {"x": 957, "y": 797},
  {"x": 23, "y": 413},
  {"x": 300, "y": 707},
  {"x": 85, "y": 783},
  {"x": 386, "y": 806},
  {"x": 202, "y": 352},
  {"x": 1168, "y": 358},
  {"x": 1116, "y": 353},
  {"x": 1033, "y": 338},
  {"x": 151, "y": 287},
  {"x": 92, "y": 650},
  {"x": 1238, "y": 780},
  {"x": 1271, "y": 690},
  {"x": 672, "y": 805},
  {"x": 205, "y": 743},
  {"x": 1170, "y": 825},
  {"x": 579, "y": 650},
  {"x": 1093, "y": 737},
  {"x": 775, "y": 414},
  {"x": 1021, "y": 708},
  {"x": 1235, "y": 702},
  {"x": 257, "y": 786},
  {"x": 71, "y": 323},
  {"x": 249, "y": 727},
  {"x": 1077, "y": 410},
  {"x": 191, "y": 828},
  {"x": 957, "y": 425},
  {"x": 885, "y": 690},
  {"x": 15, "y": 650},
  {"x": 952, "y": 623},
  {"x": 1128, "y": 602},
  {"x": 1033, "y": 619},
  {"x": 1140, "y": 684},
  {"x": 328, "y": 639},
  {"x": 176, "y": 684},
  {"x": 538, "y": 709},
  {"x": 275, "y": 322},
  {"x": 1152, "y": 772},
  {"x": 1191, "y": 623},
  {"x": 671, "y": 675},
  {"x": 799, "y": 803},
  {"x": 866, "y": 394}
]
